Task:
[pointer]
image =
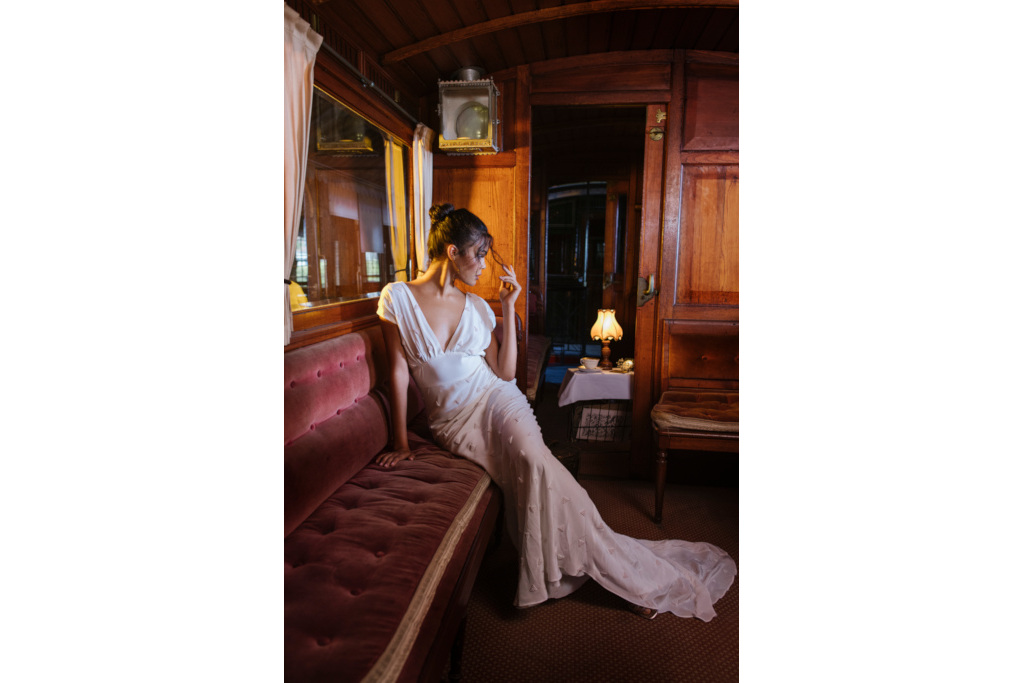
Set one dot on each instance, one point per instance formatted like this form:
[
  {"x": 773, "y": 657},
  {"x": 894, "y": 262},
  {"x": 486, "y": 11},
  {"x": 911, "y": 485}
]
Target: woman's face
[{"x": 471, "y": 262}]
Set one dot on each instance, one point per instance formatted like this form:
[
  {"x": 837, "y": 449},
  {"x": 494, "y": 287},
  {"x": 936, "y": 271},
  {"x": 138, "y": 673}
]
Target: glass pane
[{"x": 344, "y": 248}]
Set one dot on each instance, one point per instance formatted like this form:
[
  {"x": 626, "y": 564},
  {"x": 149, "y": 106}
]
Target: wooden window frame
[{"x": 320, "y": 322}]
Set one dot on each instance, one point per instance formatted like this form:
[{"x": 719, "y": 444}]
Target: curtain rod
[{"x": 367, "y": 83}]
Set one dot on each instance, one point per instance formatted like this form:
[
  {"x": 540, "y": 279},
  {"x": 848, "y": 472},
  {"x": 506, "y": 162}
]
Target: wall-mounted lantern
[{"x": 469, "y": 113}]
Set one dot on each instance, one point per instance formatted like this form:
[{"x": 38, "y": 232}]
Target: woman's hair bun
[
  {"x": 459, "y": 227},
  {"x": 438, "y": 212}
]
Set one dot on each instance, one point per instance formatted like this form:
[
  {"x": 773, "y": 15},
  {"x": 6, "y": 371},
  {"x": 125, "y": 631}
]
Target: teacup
[{"x": 589, "y": 363}]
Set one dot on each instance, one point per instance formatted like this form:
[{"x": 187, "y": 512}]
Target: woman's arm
[
  {"x": 503, "y": 359},
  {"x": 399, "y": 368}
]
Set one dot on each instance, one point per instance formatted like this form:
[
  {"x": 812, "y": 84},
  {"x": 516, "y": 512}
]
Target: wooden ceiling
[{"x": 417, "y": 42}]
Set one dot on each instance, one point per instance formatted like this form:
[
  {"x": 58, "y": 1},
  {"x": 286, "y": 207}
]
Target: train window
[{"x": 345, "y": 248}]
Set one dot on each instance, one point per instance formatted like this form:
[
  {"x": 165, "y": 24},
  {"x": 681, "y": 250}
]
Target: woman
[{"x": 446, "y": 339}]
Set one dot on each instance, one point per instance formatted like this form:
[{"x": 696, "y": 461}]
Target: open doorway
[{"x": 586, "y": 180}]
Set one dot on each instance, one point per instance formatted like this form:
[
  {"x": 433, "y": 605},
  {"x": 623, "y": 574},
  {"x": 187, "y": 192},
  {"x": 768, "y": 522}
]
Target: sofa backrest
[{"x": 336, "y": 416}]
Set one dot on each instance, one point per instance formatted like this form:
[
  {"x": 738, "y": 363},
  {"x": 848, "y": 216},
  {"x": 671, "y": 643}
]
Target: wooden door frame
[
  {"x": 564, "y": 82},
  {"x": 646, "y": 354}
]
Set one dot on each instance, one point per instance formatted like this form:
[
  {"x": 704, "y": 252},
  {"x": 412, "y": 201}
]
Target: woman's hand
[
  {"x": 390, "y": 458},
  {"x": 510, "y": 288}
]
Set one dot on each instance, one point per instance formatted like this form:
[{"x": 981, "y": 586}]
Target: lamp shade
[{"x": 606, "y": 327}]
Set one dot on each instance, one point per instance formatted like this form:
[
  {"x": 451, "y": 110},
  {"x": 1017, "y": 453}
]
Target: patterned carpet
[{"x": 589, "y": 636}]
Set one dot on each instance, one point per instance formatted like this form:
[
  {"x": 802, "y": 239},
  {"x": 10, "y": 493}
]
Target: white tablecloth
[{"x": 595, "y": 386}]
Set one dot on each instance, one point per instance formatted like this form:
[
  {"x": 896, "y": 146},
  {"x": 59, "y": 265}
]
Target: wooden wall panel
[
  {"x": 700, "y": 354},
  {"x": 708, "y": 257},
  {"x": 613, "y": 78},
  {"x": 490, "y": 194},
  {"x": 712, "y": 114},
  {"x": 700, "y": 236}
]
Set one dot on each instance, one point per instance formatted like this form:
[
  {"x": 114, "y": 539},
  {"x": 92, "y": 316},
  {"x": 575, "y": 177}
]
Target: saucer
[{"x": 583, "y": 368}]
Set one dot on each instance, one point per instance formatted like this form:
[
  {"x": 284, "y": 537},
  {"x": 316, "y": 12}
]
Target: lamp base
[{"x": 606, "y": 356}]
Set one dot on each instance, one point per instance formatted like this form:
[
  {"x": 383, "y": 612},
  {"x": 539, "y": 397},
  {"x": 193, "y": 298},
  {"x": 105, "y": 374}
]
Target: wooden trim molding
[
  {"x": 333, "y": 320},
  {"x": 569, "y": 99},
  {"x": 329, "y": 331},
  {"x": 499, "y": 160},
  {"x": 709, "y": 158}
]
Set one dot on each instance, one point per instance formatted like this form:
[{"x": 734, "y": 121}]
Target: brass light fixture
[
  {"x": 468, "y": 110},
  {"x": 605, "y": 330}
]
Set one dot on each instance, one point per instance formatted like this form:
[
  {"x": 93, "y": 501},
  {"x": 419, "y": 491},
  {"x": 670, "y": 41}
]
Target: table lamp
[{"x": 605, "y": 330}]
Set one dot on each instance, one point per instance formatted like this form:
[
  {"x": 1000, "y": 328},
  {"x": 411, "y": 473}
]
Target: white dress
[{"x": 556, "y": 527}]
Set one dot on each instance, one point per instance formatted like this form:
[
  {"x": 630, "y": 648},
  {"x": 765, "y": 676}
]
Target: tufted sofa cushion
[
  {"x": 711, "y": 411},
  {"x": 363, "y": 571}
]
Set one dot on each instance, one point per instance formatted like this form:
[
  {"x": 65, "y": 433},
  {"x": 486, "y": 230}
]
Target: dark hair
[{"x": 460, "y": 227}]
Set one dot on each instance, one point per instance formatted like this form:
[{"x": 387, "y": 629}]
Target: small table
[
  {"x": 595, "y": 385},
  {"x": 601, "y": 401}
]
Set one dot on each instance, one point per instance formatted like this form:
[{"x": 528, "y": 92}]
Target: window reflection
[{"x": 344, "y": 250}]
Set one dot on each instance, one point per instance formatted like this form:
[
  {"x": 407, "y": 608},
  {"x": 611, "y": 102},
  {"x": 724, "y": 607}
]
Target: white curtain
[
  {"x": 394, "y": 168},
  {"x": 422, "y": 191},
  {"x": 300, "y": 47}
]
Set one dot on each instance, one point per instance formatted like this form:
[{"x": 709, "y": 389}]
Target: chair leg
[{"x": 660, "y": 468}]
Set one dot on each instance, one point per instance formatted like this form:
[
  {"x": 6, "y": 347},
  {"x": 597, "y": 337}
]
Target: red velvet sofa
[{"x": 378, "y": 564}]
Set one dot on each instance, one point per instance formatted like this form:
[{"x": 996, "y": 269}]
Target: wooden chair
[
  {"x": 699, "y": 408},
  {"x": 695, "y": 420}
]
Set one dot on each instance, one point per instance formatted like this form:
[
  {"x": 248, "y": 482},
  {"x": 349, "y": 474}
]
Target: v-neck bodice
[
  {"x": 425, "y": 324},
  {"x": 452, "y": 376}
]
